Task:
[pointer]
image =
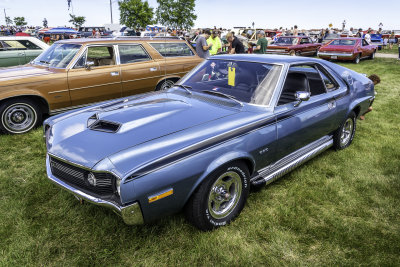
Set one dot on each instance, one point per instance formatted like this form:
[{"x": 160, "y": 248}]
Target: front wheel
[
  {"x": 220, "y": 198},
  {"x": 343, "y": 136},
  {"x": 19, "y": 116},
  {"x": 357, "y": 59},
  {"x": 164, "y": 85},
  {"x": 372, "y": 55}
]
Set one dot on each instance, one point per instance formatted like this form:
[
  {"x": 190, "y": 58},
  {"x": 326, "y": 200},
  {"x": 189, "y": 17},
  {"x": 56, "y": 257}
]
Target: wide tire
[
  {"x": 343, "y": 136},
  {"x": 357, "y": 59},
  {"x": 19, "y": 116},
  {"x": 292, "y": 53},
  {"x": 220, "y": 198},
  {"x": 164, "y": 85},
  {"x": 372, "y": 55}
]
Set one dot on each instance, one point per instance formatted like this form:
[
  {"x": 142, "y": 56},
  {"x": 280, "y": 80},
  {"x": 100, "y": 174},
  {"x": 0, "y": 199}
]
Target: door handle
[
  {"x": 332, "y": 104},
  {"x": 153, "y": 69},
  {"x": 114, "y": 73}
]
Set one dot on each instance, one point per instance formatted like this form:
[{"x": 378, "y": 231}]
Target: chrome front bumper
[
  {"x": 329, "y": 54},
  {"x": 131, "y": 214},
  {"x": 277, "y": 52}
]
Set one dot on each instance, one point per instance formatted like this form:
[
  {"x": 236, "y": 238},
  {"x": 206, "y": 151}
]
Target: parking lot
[{"x": 341, "y": 208}]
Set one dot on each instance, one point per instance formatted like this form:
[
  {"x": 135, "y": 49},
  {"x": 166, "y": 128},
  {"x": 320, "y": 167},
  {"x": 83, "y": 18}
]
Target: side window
[
  {"x": 29, "y": 45},
  {"x": 304, "y": 41},
  {"x": 301, "y": 78},
  {"x": 132, "y": 53},
  {"x": 173, "y": 49},
  {"x": 330, "y": 83},
  {"x": 81, "y": 61},
  {"x": 14, "y": 45},
  {"x": 101, "y": 55},
  {"x": 364, "y": 43}
]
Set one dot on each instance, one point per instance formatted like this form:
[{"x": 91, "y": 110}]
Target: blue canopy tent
[{"x": 61, "y": 31}]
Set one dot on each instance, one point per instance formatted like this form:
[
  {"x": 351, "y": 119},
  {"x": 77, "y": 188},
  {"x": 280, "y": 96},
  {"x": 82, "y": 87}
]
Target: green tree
[
  {"x": 176, "y": 13},
  {"x": 9, "y": 21},
  {"x": 77, "y": 21},
  {"x": 20, "y": 21},
  {"x": 135, "y": 13}
]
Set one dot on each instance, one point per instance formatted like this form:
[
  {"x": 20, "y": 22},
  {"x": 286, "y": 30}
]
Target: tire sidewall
[
  {"x": 161, "y": 85},
  {"x": 240, "y": 169},
  {"x": 338, "y": 145},
  {"x": 3, "y": 108}
]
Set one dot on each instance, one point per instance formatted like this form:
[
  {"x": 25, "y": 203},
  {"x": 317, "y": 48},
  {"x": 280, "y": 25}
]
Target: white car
[{"x": 19, "y": 50}]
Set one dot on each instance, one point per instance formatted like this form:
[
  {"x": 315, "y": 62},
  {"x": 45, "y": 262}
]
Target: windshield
[
  {"x": 248, "y": 82},
  {"x": 343, "y": 42},
  {"x": 58, "y": 55},
  {"x": 286, "y": 40}
]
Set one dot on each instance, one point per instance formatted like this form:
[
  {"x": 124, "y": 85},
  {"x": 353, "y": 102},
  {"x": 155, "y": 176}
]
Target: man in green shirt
[
  {"x": 216, "y": 43},
  {"x": 262, "y": 43}
]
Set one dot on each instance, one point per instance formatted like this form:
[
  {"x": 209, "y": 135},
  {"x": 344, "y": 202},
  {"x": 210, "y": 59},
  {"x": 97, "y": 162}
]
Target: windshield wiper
[
  {"x": 223, "y": 95},
  {"x": 186, "y": 87},
  {"x": 45, "y": 62}
]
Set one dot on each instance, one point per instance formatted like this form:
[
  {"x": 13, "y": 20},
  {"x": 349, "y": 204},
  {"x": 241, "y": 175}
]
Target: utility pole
[
  {"x": 5, "y": 16},
  {"x": 111, "y": 11}
]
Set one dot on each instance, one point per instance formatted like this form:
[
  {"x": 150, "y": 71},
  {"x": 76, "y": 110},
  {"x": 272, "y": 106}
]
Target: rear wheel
[
  {"x": 19, "y": 116},
  {"x": 165, "y": 84},
  {"x": 292, "y": 53},
  {"x": 343, "y": 136},
  {"x": 220, "y": 198},
  {"x": 372, "y": 55},
  {"x": 357, "y": 59}
]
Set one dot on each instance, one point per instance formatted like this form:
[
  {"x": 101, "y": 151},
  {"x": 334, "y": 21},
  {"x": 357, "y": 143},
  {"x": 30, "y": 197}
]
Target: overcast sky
[{"x": 224, "y": 13}]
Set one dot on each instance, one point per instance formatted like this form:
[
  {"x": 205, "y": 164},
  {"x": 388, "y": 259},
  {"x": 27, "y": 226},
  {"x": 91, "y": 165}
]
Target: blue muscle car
[{"x": 233, "y": 122}]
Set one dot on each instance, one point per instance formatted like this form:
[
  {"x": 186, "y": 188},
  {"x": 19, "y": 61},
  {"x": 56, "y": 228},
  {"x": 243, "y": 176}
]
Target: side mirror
[
  {"x": 89, "y": 65},
  {"x": 301, "y": 96}
]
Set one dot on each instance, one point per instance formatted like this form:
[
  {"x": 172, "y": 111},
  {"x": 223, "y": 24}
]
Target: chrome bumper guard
[
  {"x": 131, "y": 214},
  {"x": 328, "y": 54}
]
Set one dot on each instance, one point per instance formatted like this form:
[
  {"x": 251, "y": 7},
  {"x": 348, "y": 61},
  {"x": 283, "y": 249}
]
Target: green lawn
[
  {"x": 341, "y": 208},
  {"x": 394, "y": 50}
]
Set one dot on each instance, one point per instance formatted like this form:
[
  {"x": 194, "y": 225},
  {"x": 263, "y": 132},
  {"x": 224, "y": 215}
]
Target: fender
[
  {"x": 22, "y": 93},
  {"x": 168, "y": 77},
  {"x": 221, "y": 160}
]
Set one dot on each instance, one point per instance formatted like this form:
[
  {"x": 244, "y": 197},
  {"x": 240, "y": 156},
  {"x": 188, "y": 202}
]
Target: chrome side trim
[
  {"x": 272, "y": 172},
  {"x": 131, "y": 214},
  {"x": 56, "y": 92},
  {"x": 335, "y": 54},
  {"x": 91, "y": 86}
]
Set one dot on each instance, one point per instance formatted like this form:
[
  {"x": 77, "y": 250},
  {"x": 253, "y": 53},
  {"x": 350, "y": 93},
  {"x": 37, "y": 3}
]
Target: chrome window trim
[
  {"x": 151, "y": 44},
  {"x": 134, "y": 44}
]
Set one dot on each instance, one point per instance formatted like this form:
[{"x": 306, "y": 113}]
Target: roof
[
  {"x": 271, "y": 59},
  {"x": 115, "y": 40}
]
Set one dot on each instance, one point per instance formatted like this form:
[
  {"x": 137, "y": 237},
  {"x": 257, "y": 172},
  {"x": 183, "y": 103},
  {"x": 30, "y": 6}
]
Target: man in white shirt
[{"x": 367, "y": 37}]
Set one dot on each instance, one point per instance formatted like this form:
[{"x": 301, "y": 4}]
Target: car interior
[
  {"x": 101, "y": 55},
  {"x": 301, "y": 78}
]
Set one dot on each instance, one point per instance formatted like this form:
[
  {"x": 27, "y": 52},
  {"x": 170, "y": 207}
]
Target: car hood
[
  {"x": 128, "y": 123},
  {"x": 20, "y": 72}
]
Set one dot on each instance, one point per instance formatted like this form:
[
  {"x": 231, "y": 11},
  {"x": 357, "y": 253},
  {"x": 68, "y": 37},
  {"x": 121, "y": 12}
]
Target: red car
[
  {"x": 294, "y": 46},
  {"x": 353, "y": 49}
]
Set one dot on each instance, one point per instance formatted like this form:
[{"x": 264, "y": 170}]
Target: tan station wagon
[{"x": 74, "y": 73}]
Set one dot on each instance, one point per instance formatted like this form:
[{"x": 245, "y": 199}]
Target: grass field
[
  {"x": 341, "y": 208},
  {"x": 394, "y": 50}
]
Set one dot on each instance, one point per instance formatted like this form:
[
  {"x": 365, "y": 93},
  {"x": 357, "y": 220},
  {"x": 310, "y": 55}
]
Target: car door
[
  {"x": 12, "y": 54},
  {"x": 366, "y": 49},
  {"x": 139, "y": 72},
  {"x": 101, "y": 81},
  {"x": 300, "y": 125}
]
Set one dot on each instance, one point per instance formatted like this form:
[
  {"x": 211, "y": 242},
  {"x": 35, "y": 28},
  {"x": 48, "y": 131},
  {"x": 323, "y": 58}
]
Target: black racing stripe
[{"x": 179, "y": 155}]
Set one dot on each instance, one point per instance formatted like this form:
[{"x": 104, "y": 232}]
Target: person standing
[
  {"x": 216, "y": 43},
  {"x": 359, "y": 34},
  {"x": 202, "y": 48},
  {"x": 236, "y": 46},
  {"x": 262, "y": 43},
  {"x": 295, "y": 31},
  {"x": 367, "y": 37}
]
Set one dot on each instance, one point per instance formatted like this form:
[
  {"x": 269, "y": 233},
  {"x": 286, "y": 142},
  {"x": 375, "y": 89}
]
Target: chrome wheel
[
  {"x": 347, "y": 132},
  {"x": 167, "y": 84},
  {"x": 292, "y": 53},
  {"x": 19, "y": 118},
  {"x": 225, "y": 194}
]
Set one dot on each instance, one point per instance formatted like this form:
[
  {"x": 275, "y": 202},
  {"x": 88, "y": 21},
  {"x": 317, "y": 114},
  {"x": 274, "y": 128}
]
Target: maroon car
[
  {"x": 353, "y": 49},
  {"x": 294, "y": 45}
]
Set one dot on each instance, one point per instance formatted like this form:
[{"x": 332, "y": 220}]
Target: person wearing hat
[
  {"x": 262, "y": 43},
  {"x": 216, "y": 43}
]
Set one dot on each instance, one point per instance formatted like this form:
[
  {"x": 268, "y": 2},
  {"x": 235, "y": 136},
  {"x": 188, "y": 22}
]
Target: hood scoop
[{"x": 95, "y": 124}]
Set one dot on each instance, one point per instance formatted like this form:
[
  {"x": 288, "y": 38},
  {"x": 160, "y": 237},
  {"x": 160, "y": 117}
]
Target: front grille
[{"x": 72, "y": 175}]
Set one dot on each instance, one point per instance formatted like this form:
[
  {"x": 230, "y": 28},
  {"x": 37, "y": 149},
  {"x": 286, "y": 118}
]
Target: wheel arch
[
  {"x": 43, "y": 104},
  {"x": 174, "y": 78},
  {"x": 227, "y": 158}
]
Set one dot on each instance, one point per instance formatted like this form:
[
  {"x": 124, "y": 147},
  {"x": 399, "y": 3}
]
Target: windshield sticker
[{"x": 231, "y": 76}]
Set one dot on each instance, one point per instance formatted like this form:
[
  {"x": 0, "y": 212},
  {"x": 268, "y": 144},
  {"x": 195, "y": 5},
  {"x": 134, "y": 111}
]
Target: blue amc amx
[{"x": 233, "y": 122}]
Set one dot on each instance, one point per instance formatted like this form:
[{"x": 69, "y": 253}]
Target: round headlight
[{"x": 91, "y": 179}]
